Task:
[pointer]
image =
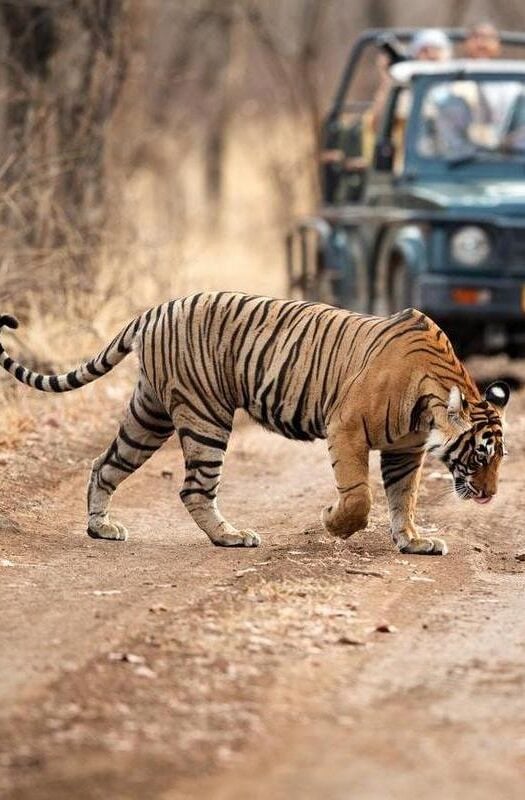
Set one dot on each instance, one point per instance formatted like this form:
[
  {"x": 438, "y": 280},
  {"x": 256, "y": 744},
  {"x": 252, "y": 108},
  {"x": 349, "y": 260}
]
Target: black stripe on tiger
[{"x": 397, "y": 466}]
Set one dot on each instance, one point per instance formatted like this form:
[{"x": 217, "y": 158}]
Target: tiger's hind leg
[
  {"x": 145, "y": 427},
  {"x": 204, "y": 447},
  {"x": 401, "y": 471}
]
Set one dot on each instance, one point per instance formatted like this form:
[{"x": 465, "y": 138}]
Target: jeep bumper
[
  {"x": 479, "y": 315},
  {"x": 480, "y": 299}
]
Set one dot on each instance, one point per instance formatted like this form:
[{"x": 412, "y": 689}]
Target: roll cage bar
[{"x": 380, "y": 36}]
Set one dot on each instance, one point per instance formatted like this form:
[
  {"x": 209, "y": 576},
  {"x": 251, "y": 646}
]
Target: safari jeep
[{"x": 434, "y": 217}]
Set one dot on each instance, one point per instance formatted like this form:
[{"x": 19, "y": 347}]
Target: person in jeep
[
  {"x": 483, "y": 41},
  {"x": 458, "y": 120}
]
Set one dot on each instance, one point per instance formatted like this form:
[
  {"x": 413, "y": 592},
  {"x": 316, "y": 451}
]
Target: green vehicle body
[{"x": 383, "y": 238}]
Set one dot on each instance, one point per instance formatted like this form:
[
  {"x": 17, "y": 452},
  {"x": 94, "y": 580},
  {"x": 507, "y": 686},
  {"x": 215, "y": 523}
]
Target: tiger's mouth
[
  {"x": 478, "y": 495},
  {"x": 483, "y": 499},
  {"x": 466, "y": 491}
]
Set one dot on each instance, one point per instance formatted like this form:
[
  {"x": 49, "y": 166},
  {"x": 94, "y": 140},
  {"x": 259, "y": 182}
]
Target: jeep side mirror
[{"x": 384, "y": 156}]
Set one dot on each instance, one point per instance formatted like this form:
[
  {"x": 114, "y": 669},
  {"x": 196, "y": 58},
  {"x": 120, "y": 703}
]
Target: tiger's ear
[
  {"x": 498, "y": 394},
  {"x": 455, "y": 404}
]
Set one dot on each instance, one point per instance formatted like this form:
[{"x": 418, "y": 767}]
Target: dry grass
[{"x": 149, "y": 255}]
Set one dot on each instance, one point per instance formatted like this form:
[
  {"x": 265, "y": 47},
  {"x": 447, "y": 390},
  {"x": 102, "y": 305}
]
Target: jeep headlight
[{"x": 470, "y": 246}]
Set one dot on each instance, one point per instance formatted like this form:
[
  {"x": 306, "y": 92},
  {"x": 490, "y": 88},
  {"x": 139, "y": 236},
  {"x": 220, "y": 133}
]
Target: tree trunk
[
  {"x": 217, "y": 85},
  {"x": 63, "y": 71}
]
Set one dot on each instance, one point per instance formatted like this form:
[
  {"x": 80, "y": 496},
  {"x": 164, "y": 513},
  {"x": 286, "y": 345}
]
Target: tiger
[{"x": 304, "y": 370}]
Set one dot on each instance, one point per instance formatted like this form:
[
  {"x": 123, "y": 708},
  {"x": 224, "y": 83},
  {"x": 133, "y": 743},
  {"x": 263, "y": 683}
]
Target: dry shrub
[
  {"x": 143, "y": 232},
  {"x": 148, "y": 259}
]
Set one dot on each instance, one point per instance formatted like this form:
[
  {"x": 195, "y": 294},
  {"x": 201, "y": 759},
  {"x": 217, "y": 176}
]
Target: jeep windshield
[{"x": 472, "y": 121}]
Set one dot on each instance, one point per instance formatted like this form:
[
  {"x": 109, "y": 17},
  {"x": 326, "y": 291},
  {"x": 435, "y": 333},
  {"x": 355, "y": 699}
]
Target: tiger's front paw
[
  {"x": 235, "y": 538},
  {"x": 430, "y": 546},
  {"x": 342, "y": 524},
  {"x": 103, "y": 528}
]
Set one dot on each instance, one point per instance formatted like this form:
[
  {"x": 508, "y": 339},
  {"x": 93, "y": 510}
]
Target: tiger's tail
[{"x": 85, "y": 373}]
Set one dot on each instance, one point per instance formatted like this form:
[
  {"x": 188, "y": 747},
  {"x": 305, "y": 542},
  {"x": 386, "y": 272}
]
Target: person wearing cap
[
  {"x": 430, "y": 44},
  {"x": 427, "y": 45}
]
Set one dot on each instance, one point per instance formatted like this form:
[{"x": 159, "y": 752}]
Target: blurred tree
[
  {"x": 379, "y": 13},
  {"x": 64, "y": 63},
  {"x": 219, "y": 21},
  {"x": 294, "y": 56},
  {"x": 196, "y": 57}
]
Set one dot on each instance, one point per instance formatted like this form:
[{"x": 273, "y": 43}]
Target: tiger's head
[{"x": 469, "y": 440}]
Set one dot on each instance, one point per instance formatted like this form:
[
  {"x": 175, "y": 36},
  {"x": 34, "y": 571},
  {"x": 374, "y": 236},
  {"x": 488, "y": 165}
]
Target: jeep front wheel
[{"x": 398, "y": 296}]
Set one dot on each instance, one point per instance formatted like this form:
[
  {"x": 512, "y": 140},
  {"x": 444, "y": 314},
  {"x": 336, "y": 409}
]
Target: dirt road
[{"x": 166, "y": 668}]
